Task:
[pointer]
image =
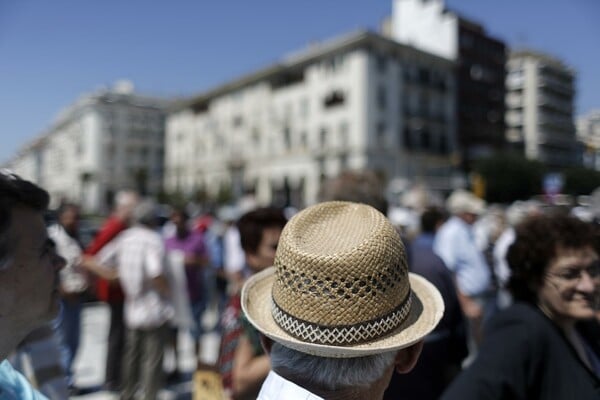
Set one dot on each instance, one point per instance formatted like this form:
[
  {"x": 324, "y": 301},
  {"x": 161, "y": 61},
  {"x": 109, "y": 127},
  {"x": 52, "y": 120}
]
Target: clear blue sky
[{"x": 53, "y": 51}]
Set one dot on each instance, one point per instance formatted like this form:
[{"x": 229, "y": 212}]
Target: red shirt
[{"x": 107, "y": 291}]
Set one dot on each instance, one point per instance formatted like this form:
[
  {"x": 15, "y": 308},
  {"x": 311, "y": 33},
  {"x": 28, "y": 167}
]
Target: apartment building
[
  {"x": 588, "y": 136},
  {"x": 107, "y": 140},
  {"x": 360, "y": 101},
  {"x": 480, "y": 59},
  {"x": 539, "y": 99}
]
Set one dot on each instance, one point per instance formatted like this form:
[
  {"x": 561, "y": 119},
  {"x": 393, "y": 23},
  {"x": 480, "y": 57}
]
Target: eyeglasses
[{"x": 573, "y": 273}]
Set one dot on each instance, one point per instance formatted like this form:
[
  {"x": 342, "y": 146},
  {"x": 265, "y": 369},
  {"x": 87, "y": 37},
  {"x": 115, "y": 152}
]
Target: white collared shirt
[
  {"x": 277, "y": 388},
  {"x": 139, "y": 255}
]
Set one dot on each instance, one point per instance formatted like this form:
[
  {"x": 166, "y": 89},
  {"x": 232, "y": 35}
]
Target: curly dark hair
[
  {"x": 537, "y": 241},
  {"x": 253, "y": 223}
]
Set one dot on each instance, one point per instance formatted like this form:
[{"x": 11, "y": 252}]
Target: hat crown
[{"x": 340, "y": 266}]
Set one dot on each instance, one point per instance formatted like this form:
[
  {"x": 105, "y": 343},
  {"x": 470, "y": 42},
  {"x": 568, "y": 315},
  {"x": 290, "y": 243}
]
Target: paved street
[{"x": 90, "y": 361}]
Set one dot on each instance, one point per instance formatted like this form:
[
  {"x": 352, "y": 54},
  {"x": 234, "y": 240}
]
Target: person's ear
[
  {"x": 406, "y": 359},
  {"x": 266, "y": 343}
]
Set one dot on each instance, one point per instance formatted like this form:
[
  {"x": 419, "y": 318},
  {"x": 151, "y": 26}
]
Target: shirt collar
[{"x": 276, "y": 387}]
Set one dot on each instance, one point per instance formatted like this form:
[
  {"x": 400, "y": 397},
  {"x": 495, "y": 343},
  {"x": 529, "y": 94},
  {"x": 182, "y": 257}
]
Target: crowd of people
[{"x": 460, "y": 301}]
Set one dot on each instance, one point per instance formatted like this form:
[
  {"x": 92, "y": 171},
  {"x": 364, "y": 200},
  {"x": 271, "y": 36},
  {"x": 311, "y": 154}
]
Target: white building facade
[
  {"x": 539, "y": 103},
  {"x": 588, "y": 134},
  {"x": 106, "y": 141},
  {"x": 355, "y": 102}
]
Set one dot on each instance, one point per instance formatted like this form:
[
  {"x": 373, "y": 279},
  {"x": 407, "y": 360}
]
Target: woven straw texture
[{"x": 340, "y": 286}]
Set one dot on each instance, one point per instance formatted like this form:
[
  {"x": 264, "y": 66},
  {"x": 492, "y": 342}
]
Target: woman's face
[{"x": 571, "y": 285}]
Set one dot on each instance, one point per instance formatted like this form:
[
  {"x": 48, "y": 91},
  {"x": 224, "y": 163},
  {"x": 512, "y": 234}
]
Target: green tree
[
  {"x": 580, "y": 180},
  {"x": 509, "y": 177}
]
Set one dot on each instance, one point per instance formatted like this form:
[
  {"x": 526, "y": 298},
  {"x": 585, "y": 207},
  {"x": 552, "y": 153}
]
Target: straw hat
[{"x": 340, "y": 286}]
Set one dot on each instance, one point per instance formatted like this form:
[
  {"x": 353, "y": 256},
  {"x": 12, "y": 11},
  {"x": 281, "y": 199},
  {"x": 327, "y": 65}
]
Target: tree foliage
[
  {"x": 509, "y": 177},
  {"x": 581, "y": 180}
]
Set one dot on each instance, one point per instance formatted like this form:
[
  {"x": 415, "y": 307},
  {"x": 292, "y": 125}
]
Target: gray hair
[
  {"x": 145, "y": 213},
  {"x": 14, "y": 192},
  {"x": 331, "y": 373}
]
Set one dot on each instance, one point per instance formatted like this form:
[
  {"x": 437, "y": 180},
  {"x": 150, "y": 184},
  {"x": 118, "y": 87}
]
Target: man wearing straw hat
[{"x": 339, "y": 310}]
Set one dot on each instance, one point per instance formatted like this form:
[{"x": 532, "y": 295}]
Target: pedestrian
[
  {"x": 137, "y": 258},
  {"x": 455, "y": 244},
  {"x": 187, "y": 258},
  {"x": 73, "y": 283},
  {"x": 547, "y": 344},
  {"x": 446, "y": 347},
  {"x": 29, "y": 275},
  {"x": 242, "y": 362},
  {"x": 110, "y": 292},
  {"x": 339, "y": 310}
]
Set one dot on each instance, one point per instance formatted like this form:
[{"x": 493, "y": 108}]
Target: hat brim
[{"x": 426, "y": 311}]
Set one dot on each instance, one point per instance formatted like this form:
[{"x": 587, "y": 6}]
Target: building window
[
  {"x": 424, "y": 76},
  {"x": 323, "y": 137},
  {"x": 334, "y": 98},
  {"x": 381, "y": 63},
  {"x": 303, "y": 139},
  {"x": 237, "y": 121},
  {"x": 255, "y": 136},
  {"x": 407, "y": 138},
  {"x": 443, "y": 145},
  {"x": 425, "y": 139},
  {"x": 380, "y": 132},
  {"x": 344, "y": 137},
  {"x": 381, "y": 98},
  {"x": 287, "y": 137}
]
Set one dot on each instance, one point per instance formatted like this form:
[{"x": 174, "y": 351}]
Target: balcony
[
  {"x": 556, "y": 84},
  {"x": 561, "y": 122},
  {"x": 548, "y": 101}
]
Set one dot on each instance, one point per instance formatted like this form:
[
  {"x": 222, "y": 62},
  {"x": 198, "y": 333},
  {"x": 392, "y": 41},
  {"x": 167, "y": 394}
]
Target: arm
[
  {"x": 161, "y": 284},
  {"x": 90, "y": 264},
  {"x": 249, "y": 370}
]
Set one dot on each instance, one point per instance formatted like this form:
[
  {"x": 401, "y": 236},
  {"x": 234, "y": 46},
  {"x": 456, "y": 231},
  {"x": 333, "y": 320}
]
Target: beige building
[
  {"x": 539, "y": 103},
  {"x": 588, "y": 135}
]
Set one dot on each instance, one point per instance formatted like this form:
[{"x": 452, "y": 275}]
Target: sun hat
[
  {"x": 463, "y": 201},
  {"x": 340, "y": 286}
]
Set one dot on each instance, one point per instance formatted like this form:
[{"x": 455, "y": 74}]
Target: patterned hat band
[{"x": 342, "y": 335}]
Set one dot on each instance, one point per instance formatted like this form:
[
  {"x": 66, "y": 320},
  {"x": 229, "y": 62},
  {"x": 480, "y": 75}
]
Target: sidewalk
[{"x": 90, "y": 361}]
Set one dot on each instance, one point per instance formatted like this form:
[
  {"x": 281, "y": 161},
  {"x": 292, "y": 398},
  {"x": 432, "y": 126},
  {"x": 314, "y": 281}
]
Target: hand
[{"x": 471, "y": 308}]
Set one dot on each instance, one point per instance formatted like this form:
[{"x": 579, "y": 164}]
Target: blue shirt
[
  {"x": 14, "y": 386},
  {"x": 455, "y": 244}
]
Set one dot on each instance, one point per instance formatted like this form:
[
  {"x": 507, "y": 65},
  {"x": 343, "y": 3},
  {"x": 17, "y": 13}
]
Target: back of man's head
[
  {"x": 16, "y": 192},
  {"x": 145, "y": 213},
  {"x": 431, "y": 219}
]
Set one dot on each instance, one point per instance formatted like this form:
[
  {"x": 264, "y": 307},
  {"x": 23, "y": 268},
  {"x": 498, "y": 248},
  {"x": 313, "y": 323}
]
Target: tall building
[
  {"x": 588, "y": 135},
  {"x": 540, "y": 93},
  {"x": 360, "y": 101},
  {"x": 108, "y": 140},
  {"x": 480, "y": 59}
]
